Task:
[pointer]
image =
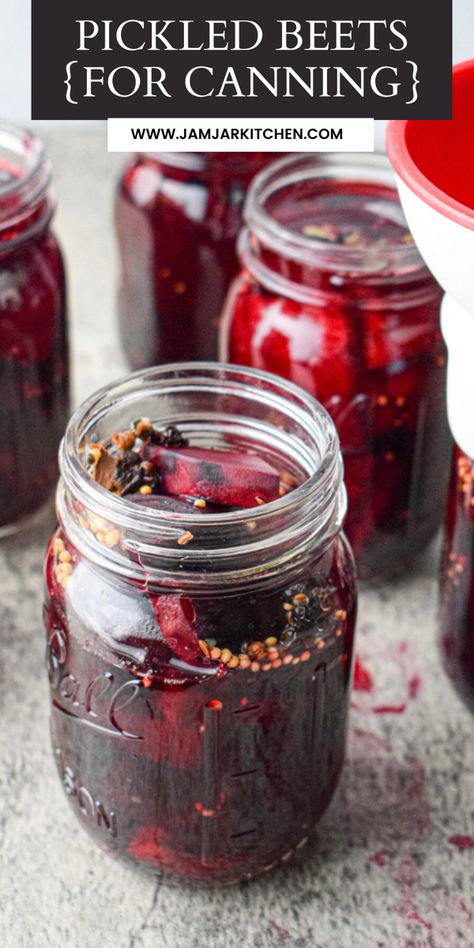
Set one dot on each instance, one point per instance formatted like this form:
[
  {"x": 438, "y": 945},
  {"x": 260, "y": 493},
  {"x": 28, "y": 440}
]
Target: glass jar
[
  {"x": 202, "y": 768},
  {"x": 334, "y": 296},
  {"x": 457, "y": 579},
  {"x": 177, "y": 217},
  {"x": 33, "y": 335}
]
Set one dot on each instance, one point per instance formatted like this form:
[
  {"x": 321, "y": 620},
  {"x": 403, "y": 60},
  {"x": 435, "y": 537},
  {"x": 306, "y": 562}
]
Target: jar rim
[
  {"x": 372, "y": 168},
  {"x": 26, "y": 203},
  {"x": 319, "y": 501},
  {"x": 10, "y": 134},
  {"x": 184, "y": 160}
]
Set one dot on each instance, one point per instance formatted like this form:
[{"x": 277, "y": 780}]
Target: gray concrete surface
[{"x": 382, "y": 870}]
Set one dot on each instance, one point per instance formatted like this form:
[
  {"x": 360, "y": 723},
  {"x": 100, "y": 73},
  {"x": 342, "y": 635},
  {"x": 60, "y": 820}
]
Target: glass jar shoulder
[
  {"x": 272, "y": 329},
  {"x": 141, "y": 626},
  {"x": 159, "y": 191},
  {"x": 40, "y": 255},
  {"x": 33, "y": 297}
]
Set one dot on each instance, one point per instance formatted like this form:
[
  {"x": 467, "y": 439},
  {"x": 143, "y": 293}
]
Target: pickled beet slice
[
  {"x": 163, "y": 502},
  {"x": 123, "y": 614},
  {"x": 224, "y": 477},
  {"x": 182, "y": 505},
  {"x": 175, "y": 617}
]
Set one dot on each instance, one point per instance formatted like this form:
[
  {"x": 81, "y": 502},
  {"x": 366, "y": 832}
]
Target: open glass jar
[
  {"x": 208, "y": 764},
  {"x": 334, "y": 295},
  {"x": 33, "y": 335},
  {"x": 177, "y": 217}
]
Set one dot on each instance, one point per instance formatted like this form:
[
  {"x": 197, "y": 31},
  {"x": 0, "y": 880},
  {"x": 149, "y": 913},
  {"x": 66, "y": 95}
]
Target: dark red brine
[
  {"x": 177, "y": 218},
  {"x": 200, "y": 647},
  {"x": 34, "y": 405},
  {"x": 334, "y": 296},
  {"x": 457, "y": 579}
]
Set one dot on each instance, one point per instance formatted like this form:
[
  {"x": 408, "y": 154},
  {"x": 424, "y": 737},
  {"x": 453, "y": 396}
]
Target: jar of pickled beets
[
  {"x": 457, "y": 579},
  {"x": 334, "y": 296},
  {"x": 457, "y": 562},
  {"x": 200, "y": 616},
  {"x": 33, "y": 335},
  {"x": 177, "y": 217}
]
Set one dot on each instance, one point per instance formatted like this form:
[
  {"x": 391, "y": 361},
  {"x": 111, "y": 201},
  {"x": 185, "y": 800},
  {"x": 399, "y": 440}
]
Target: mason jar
[
  {"x": 34, "y": 377},
  {"x": 457, "y": 579},
  {"x": 200, "y": 665},
  {"x": 177, "y": 218},
  {"x": 334, "y": 295}
]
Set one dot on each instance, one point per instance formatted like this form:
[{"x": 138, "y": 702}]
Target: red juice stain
[
  {"x": 389, "y": 709},
  {"x": 414, "y": 917},
  {"x": 281, "y": 933},
  {"x": 363, "y": 680},
  {"x": 414, "y": 686},
  {"x": 462, "y": 842},
  {"x": 381, "y": 857}
]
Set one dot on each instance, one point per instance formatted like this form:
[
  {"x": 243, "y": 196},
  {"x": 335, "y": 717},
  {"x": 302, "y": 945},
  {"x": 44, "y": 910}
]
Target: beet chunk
[
  {"x": 224, "y": 477},
  {"x": 182, "y": 505},
  {"x": 164, "y": 503},
  {"x": 175, "y": 617}
]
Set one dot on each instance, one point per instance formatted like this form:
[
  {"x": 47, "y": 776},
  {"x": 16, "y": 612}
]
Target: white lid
[{"x": 458, "y": 330}]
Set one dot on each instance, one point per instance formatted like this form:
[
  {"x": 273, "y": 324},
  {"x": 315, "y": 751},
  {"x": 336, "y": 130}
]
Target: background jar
[
  {"x": 34, "y": 405},
  {"x": 177, "y": 218},
  {"x": 200, "y": 768},
  {"x": 457, "y": 579},
  {"x": 334, "y": 295}
]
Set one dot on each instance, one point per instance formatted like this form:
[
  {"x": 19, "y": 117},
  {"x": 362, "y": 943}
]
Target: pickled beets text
[
  {"x": 163, "y": 38},
  {"x": 242, "y": 60}
]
